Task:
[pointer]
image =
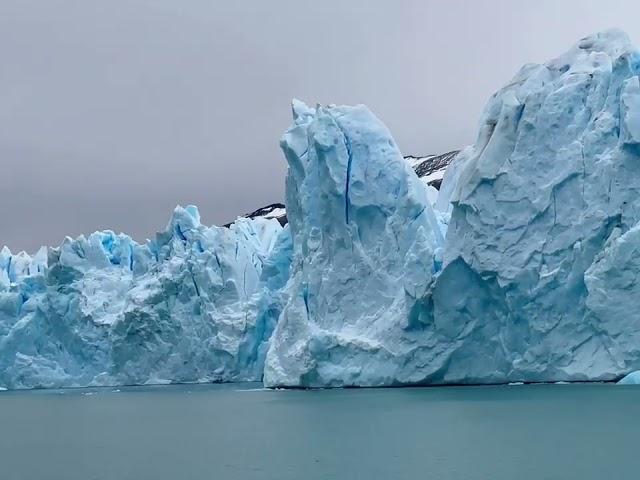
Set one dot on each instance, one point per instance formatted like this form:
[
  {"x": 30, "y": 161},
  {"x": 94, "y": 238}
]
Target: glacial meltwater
[{"x": 229, "y": 432}]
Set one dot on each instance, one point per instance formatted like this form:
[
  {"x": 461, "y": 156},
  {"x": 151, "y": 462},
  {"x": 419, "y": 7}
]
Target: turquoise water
[{"x": 239, "y": 432}]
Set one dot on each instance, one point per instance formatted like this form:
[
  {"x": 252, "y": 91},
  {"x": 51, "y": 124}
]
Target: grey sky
[{"x": 111, "y": 113}]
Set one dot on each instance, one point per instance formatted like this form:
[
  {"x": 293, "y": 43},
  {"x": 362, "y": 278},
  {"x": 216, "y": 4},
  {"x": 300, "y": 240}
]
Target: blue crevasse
[{"x": 365, "y": 239}]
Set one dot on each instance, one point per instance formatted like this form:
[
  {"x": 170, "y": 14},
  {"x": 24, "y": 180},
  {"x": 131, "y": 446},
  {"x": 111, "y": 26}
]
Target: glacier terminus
[{"x": 515, "y": 260}]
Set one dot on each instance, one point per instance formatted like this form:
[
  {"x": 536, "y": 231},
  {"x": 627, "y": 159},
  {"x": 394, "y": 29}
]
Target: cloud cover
[{"x": 109, "y": 117}]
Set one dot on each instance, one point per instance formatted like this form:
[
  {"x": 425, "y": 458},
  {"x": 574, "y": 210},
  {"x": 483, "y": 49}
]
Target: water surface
[{"x": 239, "y": 432}]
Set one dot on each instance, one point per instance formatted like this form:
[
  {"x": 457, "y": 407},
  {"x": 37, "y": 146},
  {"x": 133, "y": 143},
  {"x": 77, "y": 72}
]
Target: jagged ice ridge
[{"x": 523, "y": 267}]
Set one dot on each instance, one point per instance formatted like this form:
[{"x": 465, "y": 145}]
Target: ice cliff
[
  {"x": 539, "y": 271},
  {"x": 544, "y": 224},
  {"x": 366, "y": 243},
  {"x": 522, "y": 268},
  {"x": 189, "y": 306}
]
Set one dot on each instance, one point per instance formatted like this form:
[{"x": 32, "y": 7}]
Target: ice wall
[
  {"x": 192, "y": 305},
  {"x": 366, "y": 243},
  {"x": 523, "y": 268},
  {"x": 544, "y": 222},
  {"x": 539, "y": 272}
]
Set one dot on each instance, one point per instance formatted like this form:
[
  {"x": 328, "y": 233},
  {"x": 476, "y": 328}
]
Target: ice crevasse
[{"x": 523, "y": 269}]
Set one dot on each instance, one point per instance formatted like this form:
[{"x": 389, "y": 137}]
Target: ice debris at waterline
[
  {"x": 631, "y": 379},
  {"x": 522, "y": 268}
]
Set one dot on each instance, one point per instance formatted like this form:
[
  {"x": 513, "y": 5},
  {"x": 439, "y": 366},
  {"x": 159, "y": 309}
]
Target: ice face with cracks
[
  {"x": 190, "y": 306},
  {"x": 522, "y": 268},
  {"x": 539, "y": 264},
  {"x": 366, "y": 243}
]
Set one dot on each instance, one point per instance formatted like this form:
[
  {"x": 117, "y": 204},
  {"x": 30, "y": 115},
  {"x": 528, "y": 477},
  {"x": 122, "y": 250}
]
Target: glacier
[
  {"x": 366, "y": 247},
  {"x": 536, "y": 279},
  {"x": 190, "y": 306},
  {"x": 522, "y": 267},
  {"x": 544, "y": 205}
]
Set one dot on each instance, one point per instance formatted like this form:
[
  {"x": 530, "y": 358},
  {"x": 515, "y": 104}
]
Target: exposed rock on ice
[
  {"x": 430, "y": 168},
  {"x": 274, "y": 210}
]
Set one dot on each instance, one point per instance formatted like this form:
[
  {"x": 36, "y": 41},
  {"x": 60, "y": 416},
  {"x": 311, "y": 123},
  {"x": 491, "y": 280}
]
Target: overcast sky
[{"x": 111, "y": 113}]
